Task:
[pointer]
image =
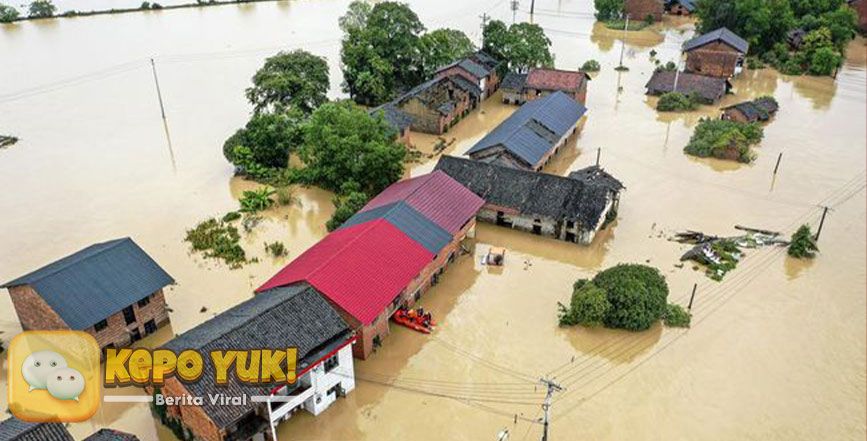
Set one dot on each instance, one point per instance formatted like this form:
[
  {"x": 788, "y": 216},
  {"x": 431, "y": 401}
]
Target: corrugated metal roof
[
  {"x": 111, "y": 435},
  {"x": 360, "y": 268},
  {"x": 96, "y": 282},
  {"x": 722, "y": 34},
  {"x": 293, "y": 316},
  {"x": 436, "y": 196},
  {"x": 520, "y": 135},
  {"x": 409, "y": 221},
  {"x": 14, "y": 429}
]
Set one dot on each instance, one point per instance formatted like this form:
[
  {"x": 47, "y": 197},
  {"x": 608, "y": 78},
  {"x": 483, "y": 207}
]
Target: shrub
[
  {"x": 42, "y": 9},
  {"x": 231, "y": 216},
  {"x": 217, "y": 240},
  {"x": 276, "y": 249},
  {"x": 803, "y": 245},
  {"x": 156, "y": 6},
  {"x": 588, "y": 307},
  {"x": 724, "y": 139},
  {"x": 591, "y": 66},
  {"x": 676, "y": 102},
  {"x": 676, "y": 316},
  {"x": 345, "y": 207},
  {"x": 8, "y": 14},
  {"x": 636, "y": 295},
  {"x": 256, "y": 200},
  {"x": 667, "y": 67},
  {"x": 284, "y": 196}
]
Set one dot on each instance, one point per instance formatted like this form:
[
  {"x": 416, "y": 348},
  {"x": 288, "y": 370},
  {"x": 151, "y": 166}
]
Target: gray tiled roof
[
  {"x": 709, "y": 89},
  {"x": 596, "y": 175},
  {"x": 756, "y": 110},
  {"x": 14, "y": 429},
  {"x": 534, "y": 128},
  {"x": 485, "y": 59},
  {"x": 689, "y": 5},
  {"x": 530, "y": 193},
  {"x": 406, "y": 219},
  {"x": 111, "y": 435},
  {"x": 96, "y": 282},
  {"x": 286, "y": 317},
  {"x": 396, "y": 118},
  {"x": 722, "y": 34},
  {"x": 467, "y": 85},
  {"x": 513, "y": 81}
]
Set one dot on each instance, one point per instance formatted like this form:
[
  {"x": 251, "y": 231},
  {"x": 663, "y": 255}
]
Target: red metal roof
[
  {"x": 360, "y": 268},
  {"x": 437, "y": 196},
  {"x": 553, "y": 79}
]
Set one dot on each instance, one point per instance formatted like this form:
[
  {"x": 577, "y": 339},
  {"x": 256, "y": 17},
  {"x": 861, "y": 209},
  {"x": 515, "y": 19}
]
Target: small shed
[
  {"x": 681, "y": 7},
  {"x": 706, "y": 88},
  {"x": 795, "y": 38},
  {"x": 512, "y": 87},
  {"x": 719, "y": 53},
  {"x": 759, "y": 110}
]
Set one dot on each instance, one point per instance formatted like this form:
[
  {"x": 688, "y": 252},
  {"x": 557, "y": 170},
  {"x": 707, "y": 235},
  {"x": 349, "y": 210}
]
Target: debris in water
[
  {"x": 6, "y": 141},
  {"x": 204, "y": 309},
  {"x": 722, "y": 254}
]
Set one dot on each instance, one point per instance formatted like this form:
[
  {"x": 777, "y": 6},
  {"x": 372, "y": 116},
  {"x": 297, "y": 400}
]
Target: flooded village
[{"x": 520, "y": 188}]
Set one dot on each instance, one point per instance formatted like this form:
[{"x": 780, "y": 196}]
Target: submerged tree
[
  {"x": 8, "y": 13},
  {"x": 803, "y": 245},
  {"x": 42, "y": 9},
  {"x": 522, "y": 45},
  {"x": 268, "y": 136},
  {"x": 290, "y": 79}
]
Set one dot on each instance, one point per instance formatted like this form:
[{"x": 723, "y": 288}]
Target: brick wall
[
  {"x": 119, "y": 334},
  {"x": 193, "y": 417},
  {"x": 716, "y": 59},
  {"x": 426, "y": 118},
  {"x": 640, "y": 9},
  {"x": 33, "y": 312}
]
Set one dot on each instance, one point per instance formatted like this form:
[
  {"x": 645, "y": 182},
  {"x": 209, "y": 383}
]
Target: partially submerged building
[
  {"x": 759, "y": 110},
  {"x": 707, "y": 89},
  {"x": 479, "y": 68},
  {"x": 860, "y": 8},
  {"x": 719, "y": 53},
  {"x": 284, "y": 317},
  {"x": 644, "y": 10},
  {"x": 111, "y": 290},
  {"x": 681, "y": 7},
  {"x": 439, "y": 103},
  {"x": 397, "y": 119},
  {"x": 539, "y": 82},
  {"x": 387, "y": 255},
  {"x": 111, "y": 435},
  {"x": 573, "y": 209},
  {"x": 14, "y": 429},
  {"x": 532, "y": 135}
]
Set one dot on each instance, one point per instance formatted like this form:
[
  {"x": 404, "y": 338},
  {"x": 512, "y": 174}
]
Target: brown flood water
[{"x": 776, "y": 352}]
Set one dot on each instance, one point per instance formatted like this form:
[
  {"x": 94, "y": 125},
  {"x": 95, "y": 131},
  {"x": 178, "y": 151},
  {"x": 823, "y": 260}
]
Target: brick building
[
  {"x": 538, "y": 82},
  {"x": 397, "y": 119},
  {"x": 532, "y": 135},
  {"x": 860, "y": 7},
  {"x": 111, "y": 435},
  {"x": 387, "y": 255},
  {"x": 706, "y": 89},
  {"x": 642, "y": 9},
  {"x": 479, "y": 68},
  {"x": 285, "y": 317},
  {"x": 439, "y": 103},
  {"x": 718, "y": 53},
  {"x": 572, "y": 209},
  {"x": 111, "y": 290}
]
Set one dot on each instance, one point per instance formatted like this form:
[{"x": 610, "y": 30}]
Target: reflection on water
[{"x": 614, "y": 345}]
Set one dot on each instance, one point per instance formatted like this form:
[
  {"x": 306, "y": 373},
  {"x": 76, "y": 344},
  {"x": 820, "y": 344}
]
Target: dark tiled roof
[
  {"x": 96, "y": 282},
  {"x": 485, "y": 59},
  {"x": 534, "y": 128},
  {"x": 14, "y": 429},
  {"x": 757, "y": 110},
  {"x": 396, "y": 118},
  {"x": 476, "y": 69},
  {"x": 709, "y": 89},
  {"x": 467, "y": 85},
  {"x": 596, "y": 175},
  {"x": 722, "y": 34},
  {"x": 111, "y": 435},
  {"x": 426, "y": 92},
  {"x": 555, "y": 79},
  {"x": 689, "y": 5},
  {"x": 409, "y": 221},
  {"x": 286, "y": 317},
  {"x": 530, "y": 193},
  {"x": 513, "y": 81}
]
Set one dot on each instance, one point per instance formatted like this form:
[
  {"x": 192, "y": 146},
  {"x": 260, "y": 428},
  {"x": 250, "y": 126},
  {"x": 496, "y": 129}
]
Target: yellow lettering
[
  {"x": 190, "y": 365},
  {"x": 115, "y": 373},
  {"x": 271, "y": 366},
  {"x": 164, "y": 365},
  {"x": 140, "y": 364},
  {"x": 248, "y": 374},
  {"x": 222, "y": 363},
  {"x": 291, "y": 360}
]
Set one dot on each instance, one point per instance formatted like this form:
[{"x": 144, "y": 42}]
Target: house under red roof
[
  {"x": 360, "y": 268},
  {"x": 437, "y": 196},
  {"x": 554, "y": 79}
]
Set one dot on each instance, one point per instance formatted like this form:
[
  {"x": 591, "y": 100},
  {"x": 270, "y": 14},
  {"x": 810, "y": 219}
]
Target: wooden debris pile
[{"x": 721, "y": 254}]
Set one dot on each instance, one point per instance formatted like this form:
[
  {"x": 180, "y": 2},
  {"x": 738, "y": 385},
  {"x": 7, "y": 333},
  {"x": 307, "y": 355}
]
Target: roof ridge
[{"x": 65, "y": 266}]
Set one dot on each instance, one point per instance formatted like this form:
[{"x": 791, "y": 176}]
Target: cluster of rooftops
[{"x": 13, "y": 429}]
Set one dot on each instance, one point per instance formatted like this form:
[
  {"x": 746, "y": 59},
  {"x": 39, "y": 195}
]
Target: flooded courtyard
[{"x": 776, "y": 351}]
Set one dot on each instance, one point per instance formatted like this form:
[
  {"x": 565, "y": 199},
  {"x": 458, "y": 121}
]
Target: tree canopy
[
  {"x": 290, "y": 79},
  {"x": 724, "y": 139},
  {"x": 8, "y": 13},
  {"x": 443, "y": 46},
  {"x": 803, "y": 245},
  {"x": 42, "y": 9},
  {"x": 522, "y": 45},
  {"x": 761, "y": 22},
  {"x": 269, "y": 137},
  {"x": 608, "y": 9}
]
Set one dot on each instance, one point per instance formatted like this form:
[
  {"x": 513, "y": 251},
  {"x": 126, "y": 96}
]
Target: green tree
[
  {"x": 588, "y": 307},
  {"x": 591, "y": 66},
  {"x": 269, "y": 137},
  {"x": 8, "y": 14},
  {"x": 814, "y": 7},
  {"x": 443, "y": 46},
  {"x": 841, "y": 23},
  {"x": 761, "y": 22},
  {"x": 608, "y": 9},
  {"x": 495, "y": 36},
  {"x": 344, "y": 145},
  {"x": 298, "y": 79},
  {"x": 724, "y": 139},
  {"x": 380, "y": 53},
  {"x": 803, "y": 245},
  {"x": 636, "y": 294},
  {"x": 523, "y": 45},
  {"x": 676, "y": 316},
  {"x": 42, "y": 9},
  {"x": 824, "y": 61},
  {"x": 345, "y": 206},
  {"x": 676, "y": 102}
]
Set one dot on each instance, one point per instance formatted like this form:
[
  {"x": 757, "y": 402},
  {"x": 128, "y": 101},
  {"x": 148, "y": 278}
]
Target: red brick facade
[
  {"x": 641, "y": 9},
  {"x": 193, "y": 417},
  {"x": 715, "y": 59}
]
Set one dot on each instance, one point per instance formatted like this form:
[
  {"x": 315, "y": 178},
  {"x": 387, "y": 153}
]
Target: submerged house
[
  {"x": 111, "y": 290},
  {"x": 532, "y": 135},
  {"x": 479, "y": 68},
  {"x": 707, "y": 89},
  {"x": 387, "y": 255},
  {"x": 538, "y": 83},
  {"x": 573, "y": 209},
  {"x": 718, "y": 53},
  {"x": 285, "y": 317},
  {"x": 397, "y": 119},
  {"x": 111, "y": 435},
  {"x": 644, "y": 9},
  {"x": 439, "y": 103},
  {"x": 14, "y": 429},
  {"x": 759, "y": 110},
  {"x": 681, "y": 7}
]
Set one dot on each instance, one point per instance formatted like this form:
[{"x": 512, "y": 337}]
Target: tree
[
  {"x": 841, "y": 23},
  {"x": 380, "y": 51},
  {"x": 724, "y": 139},
  {"x": 345, "y": 206},
  {"x": 588, "y": 307},
  {"x": 443, "y": 46},
  {"x": 636, "y": 294},
  {"x": 761, "y": 22},
  {"x": 676, "y": 102},
  {"x": 42, "y": 9},
  {"x": 298, "y": 79},
  {"x": 803, "y": 245},
  {"x": 495, "y": 37},
  {"x": 676, "y": 316},
  {"x": 814, "y": 7},
  {"x": 608, "y": 9},
  {"x": 591, "y": 66},
  {"x": 523, "y": 45},
  {"x": 8, "y": 14},
  {"x": 269, "y": 137},
  {"x": 343, "y": 145}
]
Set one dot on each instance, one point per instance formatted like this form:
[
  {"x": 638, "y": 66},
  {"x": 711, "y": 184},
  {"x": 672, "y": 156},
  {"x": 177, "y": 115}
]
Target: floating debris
[
  {"x": 721, "y": 254},
  {"x": 6, "y": 141}
]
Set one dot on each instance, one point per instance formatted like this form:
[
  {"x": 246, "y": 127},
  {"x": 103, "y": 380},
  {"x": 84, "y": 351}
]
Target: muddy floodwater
[{"x": 776, "y": 351}]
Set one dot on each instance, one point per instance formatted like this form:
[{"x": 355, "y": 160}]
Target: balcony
[{"x": 281, "y": 405}]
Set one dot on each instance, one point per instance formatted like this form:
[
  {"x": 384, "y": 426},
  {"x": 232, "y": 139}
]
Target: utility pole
[
  {"x": 515, "y": 4},
  {"x": 821, "y": 223},
  {"x": 598, "y": 153},
  {"x": 485, "y": 17},
  {"x": 532, "y": 6},
  {"x": 692, "y": 297},
  {"x": 159, "y": 94},
  {"x": 777, "y": 167},
  {"x": 552, "y": 387},
  {"x": 623, "y": 44}
]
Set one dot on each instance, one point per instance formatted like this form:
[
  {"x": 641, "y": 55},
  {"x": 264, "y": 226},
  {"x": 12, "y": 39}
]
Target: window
[
  {"x": 150, "y": 327},
  {"x": 100, "y": 326},
  {"x": 129, "y": 315},
  {"x": 331, "y": 363},
  {"x": 136, "y": 336},
  {"x": 417, "y": 294},
  {"x": 395, "y": 302},
  {"x": 144, "y": 302},
  {"x": 570, "y": 224}
]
